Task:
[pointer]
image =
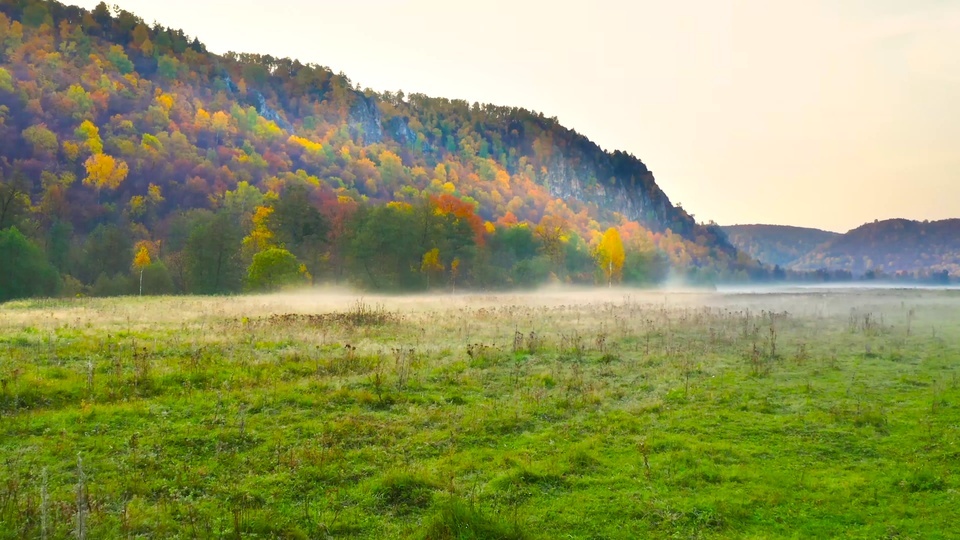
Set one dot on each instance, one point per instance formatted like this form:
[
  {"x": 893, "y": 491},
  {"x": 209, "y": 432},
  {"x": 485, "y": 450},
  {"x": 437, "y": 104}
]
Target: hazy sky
[{"x": 822, "y": 113}]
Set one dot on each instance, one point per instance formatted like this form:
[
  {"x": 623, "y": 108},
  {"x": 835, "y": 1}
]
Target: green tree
[
  {"x": 24, "y": 270},
  {"x": 298, "y": 225},
  {"x": 579, "y": 260},
  {"x": 58, "y": 245},
  {"x": 42, "y": 140},
  {"x": 168, "y": 67},
  {"x": 212, "y": 254},
  {"x": 6, "y": 80},
  {"x": 382, "y": 247},
  {"x": 157, "y": 279},
  {"x": 386, "y": 244},
  {"x": 35, "y": 14},
  {"x": 273, "y": 268},
  {"x": 645, "y": 267},
  {"x": 508, "y": 245},
  {"x": 14, "y": 198},
  {"x": 243, "y": 200},
  {"x": 118, "y": 57},
  {"x": 107, "y": 252}
]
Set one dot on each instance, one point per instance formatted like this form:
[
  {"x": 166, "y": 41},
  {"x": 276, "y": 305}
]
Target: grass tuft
[
  {"x": 458, "y": 520},
  {"x": 404, "y": 492}
]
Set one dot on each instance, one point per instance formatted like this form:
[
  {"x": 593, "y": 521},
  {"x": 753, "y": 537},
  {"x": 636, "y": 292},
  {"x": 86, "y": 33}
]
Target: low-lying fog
[
  {"x": 819, "y": 300},
  {"x": 797, "y": 299}
]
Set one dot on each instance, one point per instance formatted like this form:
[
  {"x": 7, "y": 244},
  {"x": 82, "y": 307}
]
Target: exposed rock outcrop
[
  {"x": 365, "y": 120},
  {"x": 265, "y": 111}
]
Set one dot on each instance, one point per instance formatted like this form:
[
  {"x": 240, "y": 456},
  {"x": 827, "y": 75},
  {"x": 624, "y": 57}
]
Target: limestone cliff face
[
  {"x": 265, "y": 111},
  {"x": 619, "y": 182},
  {"x": 574, "y": 168},
  {"x": 633, "y": 194},
  {"x": 399, "y": 130},
  {"x": 259, "y": 101},
  {"x": 365, "y": 120}
]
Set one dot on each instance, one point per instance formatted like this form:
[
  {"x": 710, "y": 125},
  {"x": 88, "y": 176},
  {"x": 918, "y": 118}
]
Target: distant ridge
[
  {"x": 889, "y": 247},
  {"x": 776, "y": 244}
]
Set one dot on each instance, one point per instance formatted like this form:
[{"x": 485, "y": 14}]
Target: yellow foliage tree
[
  {"x": 142, "y": 258},
  {"x": 431, "y": 264},
  {"x": 89, "y": 133},
  {"x": 552, "y": 232},
  {"x": 610, "y": 255},
  {"x": 137, "y": 206},
  {"x": 307, "y": 144},
  {"x": 147, "y": 47},
  {"x": 440, "y": 173},
  {"x": 141, "y": 261},
  {"x": 154, "y": 194},
  {"x": 165, "y": 100},
  {"x": 260, "y": 237},
  {"x": 202, "y": 119},
  {"x": 71, "y": 150},
  {"x": 220, "y": 123},
  {"x": 104, "y": 171}
]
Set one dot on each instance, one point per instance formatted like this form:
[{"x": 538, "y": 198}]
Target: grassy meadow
[{"x": 558, "y": 414}]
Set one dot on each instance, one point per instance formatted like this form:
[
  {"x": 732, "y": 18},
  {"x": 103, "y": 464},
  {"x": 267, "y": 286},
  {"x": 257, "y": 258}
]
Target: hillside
[
  {"x": 776, "y": 244},
  {"x": 119, "y": 137},
  {"x": 890, "y": 247}
]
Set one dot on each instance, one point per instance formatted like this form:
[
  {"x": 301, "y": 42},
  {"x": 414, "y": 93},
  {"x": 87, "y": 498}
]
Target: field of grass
[{"x": 563, "y": 414}]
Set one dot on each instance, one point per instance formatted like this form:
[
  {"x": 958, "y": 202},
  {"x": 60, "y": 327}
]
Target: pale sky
[{"x": 819, "y": 113}]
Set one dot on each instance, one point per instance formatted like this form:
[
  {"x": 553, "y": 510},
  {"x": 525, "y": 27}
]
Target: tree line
[{"x": 258, "y": 241}]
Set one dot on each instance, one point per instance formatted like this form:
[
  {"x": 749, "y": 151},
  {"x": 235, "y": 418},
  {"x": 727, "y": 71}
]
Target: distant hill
[
  {"x": 890, "y": 246},
  {"x": 776, "y": 244}
]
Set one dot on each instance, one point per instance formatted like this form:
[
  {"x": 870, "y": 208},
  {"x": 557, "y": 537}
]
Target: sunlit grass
[{"x": 559, "y": 414}]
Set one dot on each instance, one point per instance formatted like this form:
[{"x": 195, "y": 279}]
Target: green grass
[{"x": 564, "y": 415}]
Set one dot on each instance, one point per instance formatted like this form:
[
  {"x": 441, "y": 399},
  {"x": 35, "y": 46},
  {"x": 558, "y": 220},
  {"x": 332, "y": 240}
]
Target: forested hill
[
  {"x": 889, "y": 247},
  {"x": 126, "y": 146},
  {"x": 776, "y": 244}
]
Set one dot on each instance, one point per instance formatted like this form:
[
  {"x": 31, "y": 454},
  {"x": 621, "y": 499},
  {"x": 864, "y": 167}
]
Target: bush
[
  {"x": 73, "y": 288},
  {"x": 118, "y": 285}
]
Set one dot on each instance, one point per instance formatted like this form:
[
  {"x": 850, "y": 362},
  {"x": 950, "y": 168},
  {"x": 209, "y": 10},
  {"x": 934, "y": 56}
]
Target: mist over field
[{"x": 597, "y": 412}]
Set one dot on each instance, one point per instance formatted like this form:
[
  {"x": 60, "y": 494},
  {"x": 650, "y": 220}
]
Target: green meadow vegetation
[{"x": 559, "y": 414}]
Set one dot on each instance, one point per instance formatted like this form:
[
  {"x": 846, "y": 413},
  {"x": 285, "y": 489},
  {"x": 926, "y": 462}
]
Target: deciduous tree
[
  {"x": 105, "y": 171},
  {"x": 14, "y": 198},
  {"x": 212, "y": 254},
  {"x": 430, "y": 264},
  {"x": 140, "y": 261},
  {"x": 24, "y": 271},
  {"x": 272, "y": 269},
  {"x": 610, "y": 255}
]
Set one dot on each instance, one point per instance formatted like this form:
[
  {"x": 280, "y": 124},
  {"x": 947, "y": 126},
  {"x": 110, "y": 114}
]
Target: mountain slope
[
  {"x": 108, "y": 122},
  {"x": 776, "y": 244},
  {"x": 889, "y": 247}
]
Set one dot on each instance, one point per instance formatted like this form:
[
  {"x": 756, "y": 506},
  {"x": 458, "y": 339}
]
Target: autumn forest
[{"x": 133, "y": 160}]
